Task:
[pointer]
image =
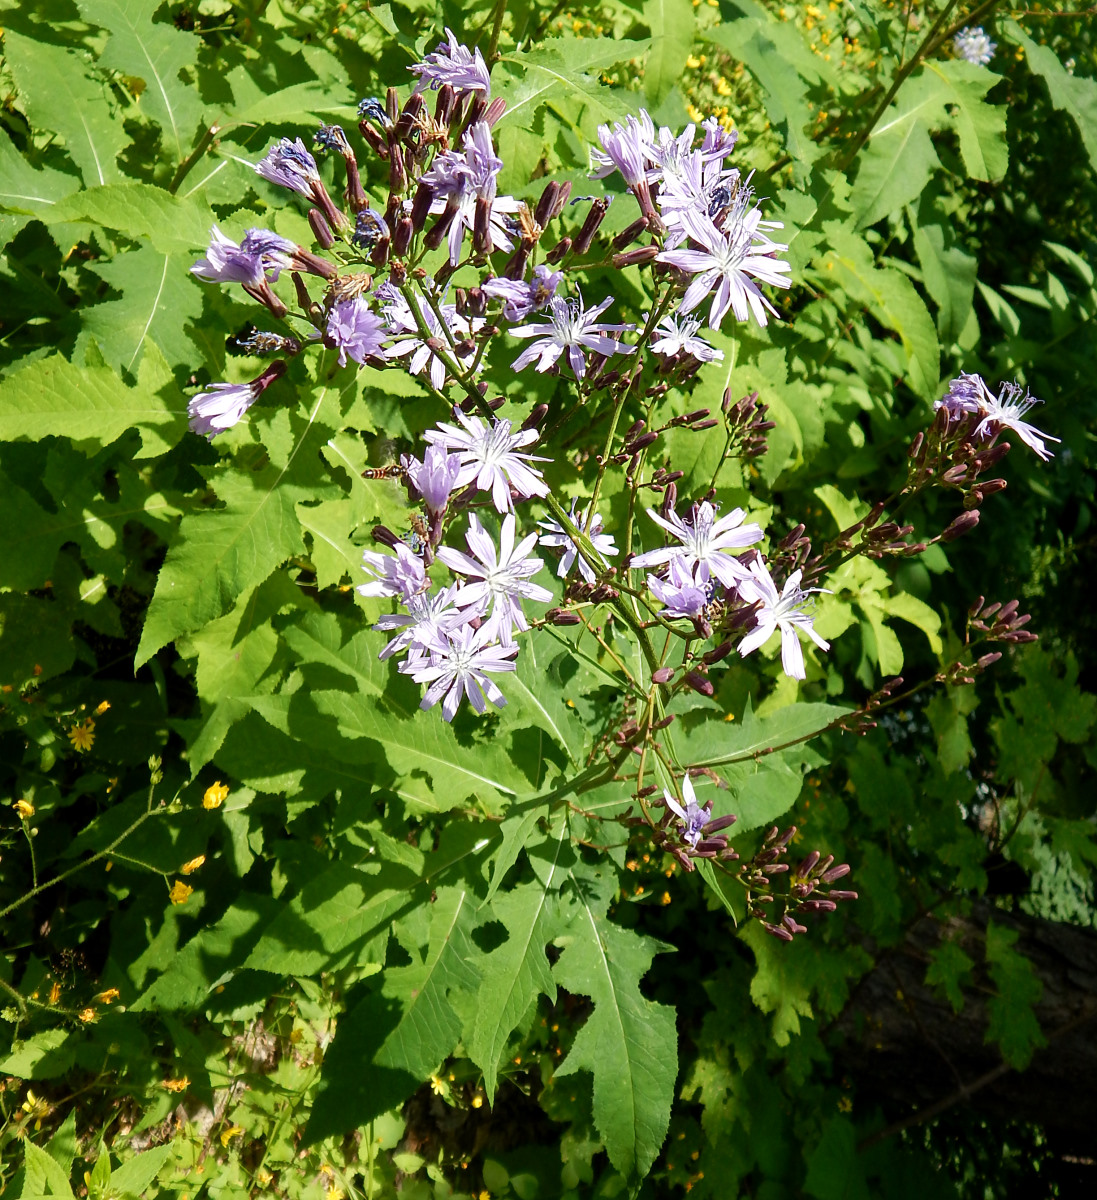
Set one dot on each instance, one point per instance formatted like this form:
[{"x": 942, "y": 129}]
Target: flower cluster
[{"x": 973, "y": 45}]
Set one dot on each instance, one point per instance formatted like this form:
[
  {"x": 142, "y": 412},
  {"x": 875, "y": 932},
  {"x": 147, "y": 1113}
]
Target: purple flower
[
  {"x": 693, "y": 818},
  {"x": 624, "y": 148},
  {"x": 964, "y": 395},
  {"x": 402, "y": 321},
  {"x": 429, "y": 617},
  {"x": 463, "y": 69},
  {"x": 401, "y": 576},
  {"x": 456, "y": 665},
  {"x": 214, "y": 411},
  {"x": 226, "y": 262},
  {"x": 491, "y": 457},
  {"x": 289, "y": 164},
  {"x": 973, "y": 45},
  {"x": 706, "y": 544},
  {"x": 355, "y": 330},
  {"x": 558, "y": 538},
  {"x": 464, "y": 183},
  {"x": 1006, "y": 412},
  {"x": 782, "y": 611},
  {"x": 572, "y": 328},
  {"x": 729, "y": 261},
  {"x": 681, "y": 594},
  {"x": 502, "y": 578},
  {"x": 435, "y": 477},
  {"x": 679, "y": 336},
  {"x": 277, "y": 253},
  {"x": 521, "y": 298}
]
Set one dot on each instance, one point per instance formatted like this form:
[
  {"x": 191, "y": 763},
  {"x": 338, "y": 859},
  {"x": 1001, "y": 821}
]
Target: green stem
[{"x": 496, "y": 30}]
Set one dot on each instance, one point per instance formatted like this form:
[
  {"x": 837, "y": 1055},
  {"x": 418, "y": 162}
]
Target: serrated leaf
[
  {"x": 980, "y": 127},
  {"x": 44, "y": 1176},
  {"x": 517, "y": 972},
  {"x": 672, "y": 24},
  {"x": 28, "y": 191},
  {"x": 1013, "y": 1023},
  {"x": 156, "y": 52},
  {"x": 52, "y": 397},
  {"x": 715, "y": 742},
  {"x": 59, "y": 94},
  {"x": 136, "y": 1174},
  {"x": 172, "y": 224},
  {"x": 779, "y": 986},
  {"x": 44, "y": 1055},
  {"x": 949, "y": 274},
  {"x": 629, "y": 1043},
  {"x": 217, "y": 554},
  {"x": 535, "y": 696},
  {"x": 564, "y": 68},
  {"x": 948, "y": 970},
  {"x": 1072, "y": 94}
]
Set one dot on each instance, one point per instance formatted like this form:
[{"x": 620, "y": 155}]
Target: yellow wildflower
[
  {"x": 107, "y": 997},
  {"x": 102, "y": 708},
  {"x": 193, "y": 864},
  {"x": 215, "y": 796},
  {"x": 87, "y": 1015},
  {"x": 437, "y": 1086},
  {"x": 24, "y": 808},
  {"x": 176, "y": 1085},
  {"x": 36, "y": 1108},
  {"x": 55, "y": 992},
  {"x": 82, "y": 735},
  {"x": 845, "y": 1104},
  {"x": 228, "y": 1134},
  {"x": 180, "y": 892}
]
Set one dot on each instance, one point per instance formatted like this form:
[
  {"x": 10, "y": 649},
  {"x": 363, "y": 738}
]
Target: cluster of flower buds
[
  {"x": 808, "y": 887},
  {"x": 688, "y": 830},
  {"x": 747, "y": 426},
  {"x": 1000, "y": 622},
  {"x": 860, "y": 721}
]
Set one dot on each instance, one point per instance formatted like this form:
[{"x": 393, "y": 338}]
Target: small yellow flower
[
  {"x": 102, "y": 708},
  {"x": 180, "y": 892},
  {"x": 193, "y": 864},
  {"x": 228, "y": 1134},
  {"x": 478, "y": 1101},
  {"x": 107, "y": 997},
  {"x": 176, "y": 1085},
  {"x": 83, "y": 735},
  {"x": 24, "y": 808},
  {"x": 334, "y": 1192},
  {"x": 88, "y": 1015},
  {"x": 437, "y": 1086},
  {"x": 215, "y": 796},
  {"x": 36, "y": 1108},
  {"x": 55, "y": 992},
  {"x": 845, "y": 1104}
]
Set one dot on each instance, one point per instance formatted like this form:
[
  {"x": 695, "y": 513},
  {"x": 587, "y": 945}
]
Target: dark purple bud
[
  {"x": 536, "y": 416},
  {"x": 559, "y": 616},
  {"x": 630, "y": 233},
  {"x": 818, "y": 906},
  {"x": 420, "y": 208},
  {"x": 401, "y": 239},
  {"x": 636, "y": 258},
  {"x": 808, "y": 865},
  {"x": 498, "y": 402},
  {"x": 384, "y": 535},
  {"x": 640, "y": 443},
  {"x": 988, "y": 659},
  {"x": 664, "y": 722},
  {"x": 546, "y": 204},
  {"x": 699, "y": 425},
  {"x": 840, "y": 895},
  {"x": 443, "y": 110},
  {"x": 718, "y": 823},
  {"x": 987, "y": 458},
  {"x": 954, "y": 474},
  {"x": 559, "y": 251},
  {"x": 670, "y": 498},
  {"x": 778, "y": 931},
  {"x": 436, "y": 234},
  {"x": 792, "y": 925},
  {"x": 721, "y": 651},
  {"x": 321, "y": 230},
  {"x": 398, "y": 174},
  {"x": 964, "y": 523},
  {"x": 916, "y": 445},
  {"x": 790, "y": 539},
  {"x": 662, "y": 675},
  {"x": 699, "y": 683},
  {"x": 835, "y": 873},
  {"x": 976, "y": 608},
  {"x": 374, "y": 140},
  {"x": 690, "y": 417},
  {"x": 993, "y": 485},
  {"x": 494, "y": 111},
  {"x": 590, "y": 226}
]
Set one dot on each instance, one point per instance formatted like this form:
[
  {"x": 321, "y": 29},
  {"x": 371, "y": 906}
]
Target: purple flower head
[
  {"x": 572, "y": 328},
  {"x": 276, "y": 252},
  {"x": 492, "y": 457},
  {"x": 680, "y": 593},
  {"x": 289, "y": 164},
  {"x": 374, "y": 108},
  {"x": 973, "y": 45},
  {"x": 783, "y": 611},
  {"x": 332, "y": 137},
  {"x": 965, "y": 395},
  {"x": 463, "y": 69},
  {"x": 558, "y": 538},
  {"x": 370, "y": 227},
  {"x": 226, "y": 262},
  {"x": 700, "y": 186},
  {"x": 718, "y": 142},
  {"x": 401, "y": 321},
  {"x": 435, "y": 477},
  {"x": 1007, "y": 412},
  {"x": 224, "y": 404},
  {"x": 728, "y": 261},
  {"x": 502, "y": 578},
  {"x": 693, "y": 818},
  {"x": 625, "y": 149},
  {"x": 401, "y": 576},
  {"x": 678, "y": 335},
  {"x": 706, "y": 544},
  {"x": 521, "y": 298},
  {"x": 355, "y": 330},
  {"x": 456, "y": 665},
  {"x": 428, "y": 618}
]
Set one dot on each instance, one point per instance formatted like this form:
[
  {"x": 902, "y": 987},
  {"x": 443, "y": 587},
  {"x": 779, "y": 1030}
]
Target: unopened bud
[
  {"x": 640, "y": 443},
  {"x": 916, "y": 445},
  {"x": 662, "y": 675},
  {"x": 321, "y": 230},
  {"x": 547, "y": 204},
  {"x": 559, "y": 616},
  {"x": 718, "y": 823},
  {"x": 991, "y": 486},
  {"x": 590, "y": 226},
  {"x": 384, "y": 535},
  {"x": 988, "y": 659},
  {"x": 699, "y": 683},
  {"x": 664, "y": 722},
  {"x": 843, "y": 895},
  {"x": 964, "y": 523},
  {"x": 558, "y": 251},
  {"x": 443, "y": 110},
  {"x": 808, "y": 865},
  {"x": 636, "y": 258},
  {"x": 835, "y": 873},
  {"x": 536, "y": 416},
  {"x": 720, "y": 652}
]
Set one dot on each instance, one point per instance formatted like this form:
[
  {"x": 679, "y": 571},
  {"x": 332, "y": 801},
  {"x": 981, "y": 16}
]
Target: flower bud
[
  {"x": 536, "y": 416},
  {"x": 546, "y": 204},
  {"x": 664, "y": 722},
  {"x": 374, "y": 140},
  {"x": 778, "y": 931},
  {"x": 662, "y": 675},
  {"x": 590, "y": 226},
  {"x": 401, "y": 239},
  {"x": 494, "y": 111},
  {"x": 630, "y": 233},
  {"x": 699, "y": 683},
  {"x": 447, "y": 99},
  {"x": 420, "y": 207},
  {"x": 636, "y": 258},
  {"x": 993, "y": 485},
  {"x": 640, "y": 443},
  {"x": 840, "y": 895},
  {"x": 321, "y": 230},
  {"x": 559, "y": 616},
  {"x": 559, "y": 251},
  {"x": 835, "y": 873},
  {"x": 720, "y": 652},
  {"x": 964, "y": 523},
  {"x": 718, "y": 823},
  {"x": 398, "y": 174},
  {"x": 808, "y": 865},
  {"x": 384, "y": 535}
]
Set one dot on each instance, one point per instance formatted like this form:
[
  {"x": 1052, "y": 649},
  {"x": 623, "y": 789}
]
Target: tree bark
[{"x": 903, "y": 1042}]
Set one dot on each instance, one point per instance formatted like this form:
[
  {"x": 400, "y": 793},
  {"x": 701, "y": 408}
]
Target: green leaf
[
  {"x": 52, "y": 397},
  {"x": 135, "y": 1176},
  {"x": 397, "y": 1037},
  {"x": 536, "y": 696},
  {"x": 628, "y": 1043},
  {"x": 44, "y": 1055},
  {"x": 1072, "y": 94},
  {"x": 28, "y": 191},
  {"x": 780, "y": 985},
  {"x": 672, "y": 24},
  {"x": 218, "y": 554},
  {"x": 59, "y": 95},
  {"x": 948, "y": 970},
  {"x": 980, "y": 127},
  {"x": 155, "y": 52},
  {"x": 62, "y": 1146},
  {"x": 44, "y": 1175},
  {"x": 517, "y": 972},
  {"x": 836, "y": 1170},
  {"x": 948, "y": 272},
  {"x": 564, "y": 69},
  {"x": 716, "y": 742},
  {"x": 171, "y": 224},
  {"x": 1013, "y": 1023}
]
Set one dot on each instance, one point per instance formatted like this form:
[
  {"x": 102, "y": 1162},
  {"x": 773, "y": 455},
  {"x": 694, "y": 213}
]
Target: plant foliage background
[{"x": 268, "y": 928}]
